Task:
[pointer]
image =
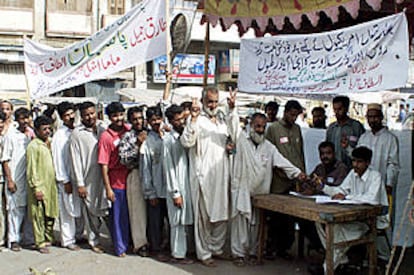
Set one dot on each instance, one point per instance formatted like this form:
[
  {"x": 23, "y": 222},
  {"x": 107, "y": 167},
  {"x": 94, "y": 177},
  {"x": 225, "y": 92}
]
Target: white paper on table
[
  {"x": 296, "y": 194},
  {"x": 327, "y": 199}
]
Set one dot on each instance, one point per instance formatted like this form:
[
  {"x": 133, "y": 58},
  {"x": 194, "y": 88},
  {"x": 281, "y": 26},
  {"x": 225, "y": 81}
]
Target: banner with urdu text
[
  {"x": 136, "y": 37},
  {"x": 368, "y": 57}
]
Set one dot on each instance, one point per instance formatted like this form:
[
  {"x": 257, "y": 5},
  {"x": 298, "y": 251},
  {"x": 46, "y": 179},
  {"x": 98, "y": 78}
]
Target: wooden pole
[
  {"x": 168, "y": 38},
  {"x": 206, "y": 53},
  {"x": 28, "y": 97}
]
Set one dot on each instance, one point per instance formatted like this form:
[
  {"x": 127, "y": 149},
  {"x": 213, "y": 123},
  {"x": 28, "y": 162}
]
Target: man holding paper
[{"x": 363, "y": 185}]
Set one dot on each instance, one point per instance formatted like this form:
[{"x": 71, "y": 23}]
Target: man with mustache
[
  {"x": 129, "y": 153},
  {"x": 153, "y": 181},
  {"x": 364, "y": 185},
  {"x": 86, "y": 174},
  {"x": 385, "y": 159},
  {"x": 206, "y": 135},
  {"x": 286, "y": 135},
  {"x": 331, "y": 171},
  {"x": 252, "y": 175},
  {"x": 175, "y": 164},
  {"x": 69, "y": 204},
  {"x": 41, "y": 181},
  {"x": 14, "y": 166}
]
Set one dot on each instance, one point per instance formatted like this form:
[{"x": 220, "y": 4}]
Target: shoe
[
  {"x": 209, "y": 262},
  {"x": 97, "y": 249},
  {"x": 143, "y": 251},
  {"x": 15, "y": 247},
  {"x": 122, "y": 255},
  {"x": 44, "y": 250},
  {"x": 73, "y": 247},
  {"x": 183, "y": 261}
]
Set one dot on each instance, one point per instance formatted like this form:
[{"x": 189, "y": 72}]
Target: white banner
[
  {"x": 137, "y": 37},
  {"x": 367, "y": 57}
]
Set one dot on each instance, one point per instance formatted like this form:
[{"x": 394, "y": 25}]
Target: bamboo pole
[
  {"x": 206, "y": 53},
  {"x": 168, "y": 46}
]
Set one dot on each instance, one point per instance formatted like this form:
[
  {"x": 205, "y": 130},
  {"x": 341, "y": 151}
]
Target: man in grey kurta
[
  {"x": 206, "y": 135},
  {"x": 345, "y": 131},
  {"x": 175, "y": 164},
  {"x": 153, "y": 180},
  {"x": 86, "y": 173},
  {"x": 129, "y": 154}
]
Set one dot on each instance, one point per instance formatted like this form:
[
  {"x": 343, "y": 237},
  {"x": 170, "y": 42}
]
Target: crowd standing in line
[{"x": 191, "y": 169}]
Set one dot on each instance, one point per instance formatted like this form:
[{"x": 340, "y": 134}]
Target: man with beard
[
  {"x": 175, "y": 164},
  {"x": 114, "y": 175},
  {"x": 206, "y": 136},
  {"x": 345, "y": 132},
  {"x": 129, "y": 153},
  {"x": 153, "y": 181},
  {"x": 331, "y": 171},
  {"x": 14, "y": 166},
  {"x": 318, "y": 118},
  {"x": 252, "y": 175},
  {"x": 41, "y": 180},
  {"x": 385, "y": 159},
  {"x": 69, "y": 204},
  {"x": 86, "y": 174}
]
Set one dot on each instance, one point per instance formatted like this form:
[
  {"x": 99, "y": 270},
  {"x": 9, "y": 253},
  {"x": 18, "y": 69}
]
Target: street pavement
[{"x": 64, "y": 261}]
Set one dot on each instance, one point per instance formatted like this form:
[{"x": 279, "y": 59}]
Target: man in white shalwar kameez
[
  {"x": 252, "y": 175},
  {"x": 385, "y": 159},
  {"x": 86, "y": 173},
  {"x": 364, "y": 185},
  {"x": 206, "y": 136},
  {"x": 175, "y": 165},
  {"x": 14, "y": 166},
  {"x": 69, "y": 204}
]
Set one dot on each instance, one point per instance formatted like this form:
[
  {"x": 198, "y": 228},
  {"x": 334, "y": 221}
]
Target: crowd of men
[{"x": 191, "y": 166}]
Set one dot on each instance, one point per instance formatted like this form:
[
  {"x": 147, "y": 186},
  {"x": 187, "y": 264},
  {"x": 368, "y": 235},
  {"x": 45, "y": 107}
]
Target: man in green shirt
[{"x": 41, "y": 179}]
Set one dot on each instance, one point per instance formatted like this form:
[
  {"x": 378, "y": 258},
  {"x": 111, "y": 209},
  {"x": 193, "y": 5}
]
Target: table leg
[
  {"x": 261, "y": 236},
  {"x": 329, "y": 256},
  {"x": 372, "y": 248}
]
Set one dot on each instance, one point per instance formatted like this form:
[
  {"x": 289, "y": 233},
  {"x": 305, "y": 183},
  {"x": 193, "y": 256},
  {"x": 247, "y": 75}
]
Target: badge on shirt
[
  {"x": 330, "y": 180},
  {"x": 116, "y": 142},
  {"x": 284, "y": 140},
  {"x": 353, "y": 138}
]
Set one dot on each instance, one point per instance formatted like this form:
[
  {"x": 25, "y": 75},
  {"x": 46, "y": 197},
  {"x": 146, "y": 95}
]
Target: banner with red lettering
[
  {"x": 135, "y": 38},
  {"x": 368, "y": 57}
]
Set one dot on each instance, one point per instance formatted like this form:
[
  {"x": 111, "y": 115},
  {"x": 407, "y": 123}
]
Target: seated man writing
[{"x": 364, "y": 185}]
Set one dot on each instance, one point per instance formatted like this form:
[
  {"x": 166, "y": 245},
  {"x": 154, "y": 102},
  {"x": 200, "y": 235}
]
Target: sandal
[
  {"x": 44, "y": 250},
  {"x": 253, "y": 260},
  {"x": 184, "y": 261},
  {"x": 208, "y": 262},
  {"x": 239, "y": 262}
]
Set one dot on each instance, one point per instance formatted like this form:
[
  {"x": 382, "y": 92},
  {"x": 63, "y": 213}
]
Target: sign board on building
[{"x": 186, "y": 68}]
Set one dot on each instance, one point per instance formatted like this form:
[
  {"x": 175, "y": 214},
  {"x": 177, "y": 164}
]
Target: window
[
  {"x": 82, "y": 6},
  {"x": 116, "y": 7},
  {"x": 16, "y": 3}
]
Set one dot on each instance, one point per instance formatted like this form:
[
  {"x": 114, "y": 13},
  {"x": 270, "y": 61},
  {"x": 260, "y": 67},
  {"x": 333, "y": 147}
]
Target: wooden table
[{"x": 327, "y": 214}]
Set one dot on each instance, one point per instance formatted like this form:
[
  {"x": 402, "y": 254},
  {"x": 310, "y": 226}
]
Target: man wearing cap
[{"x": 385, "y": 156}]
